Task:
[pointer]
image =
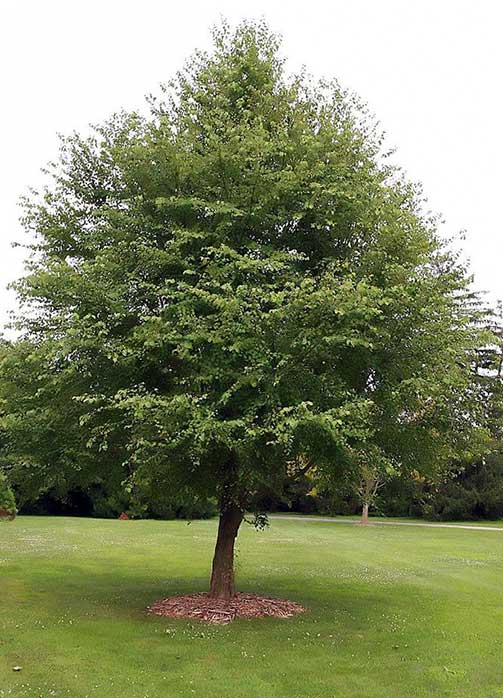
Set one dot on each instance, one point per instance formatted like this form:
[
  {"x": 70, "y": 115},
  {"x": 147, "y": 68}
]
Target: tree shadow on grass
[{"x": 126, "y": 592}]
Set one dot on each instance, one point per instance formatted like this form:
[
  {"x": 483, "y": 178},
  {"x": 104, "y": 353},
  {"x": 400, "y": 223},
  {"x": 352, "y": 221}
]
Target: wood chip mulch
[{"x": 221, "y": 611}]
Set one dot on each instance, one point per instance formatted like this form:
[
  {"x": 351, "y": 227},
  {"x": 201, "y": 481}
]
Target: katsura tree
[{"x": 237, "y": 280}]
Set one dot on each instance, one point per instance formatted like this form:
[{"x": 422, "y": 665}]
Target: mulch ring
[{"x": 221, "y": 611}]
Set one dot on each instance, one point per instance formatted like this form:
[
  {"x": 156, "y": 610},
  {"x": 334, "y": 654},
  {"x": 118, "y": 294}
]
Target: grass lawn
[
  {"x": 394, "y": 612},
  {"x": 494, "y": 523}
]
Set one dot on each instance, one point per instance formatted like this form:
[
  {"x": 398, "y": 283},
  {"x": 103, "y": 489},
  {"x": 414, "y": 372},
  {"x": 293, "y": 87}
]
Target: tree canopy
[{"x": 233, "y": 283}]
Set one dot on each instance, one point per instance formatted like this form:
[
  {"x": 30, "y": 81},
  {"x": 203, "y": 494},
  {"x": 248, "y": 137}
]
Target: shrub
[{"x": 7, "y": 501}]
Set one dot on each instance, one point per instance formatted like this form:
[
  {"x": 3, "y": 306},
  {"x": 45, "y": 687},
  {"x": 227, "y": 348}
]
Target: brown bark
[
  {"x": 222, "y": 574},
  {"x": 365, "y": 515}
]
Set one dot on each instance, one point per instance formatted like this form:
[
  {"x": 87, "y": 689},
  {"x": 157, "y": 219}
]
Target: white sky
[{"x": 430, "y": 70}]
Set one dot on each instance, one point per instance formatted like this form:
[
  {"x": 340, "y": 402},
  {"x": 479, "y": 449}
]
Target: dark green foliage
[
  {"x": 476, "y": 493},
  {"x": 96, "y": 501},
  {"x": 148, "y": 500},
  {"x": 471, "y": 493}
]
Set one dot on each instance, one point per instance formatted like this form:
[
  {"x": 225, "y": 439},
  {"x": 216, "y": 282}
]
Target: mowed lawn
[{"x": 392, "y": 611}]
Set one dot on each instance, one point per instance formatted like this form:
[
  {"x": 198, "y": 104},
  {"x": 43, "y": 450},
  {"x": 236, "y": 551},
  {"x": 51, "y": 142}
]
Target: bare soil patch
[{"x": 221, "y": 611}]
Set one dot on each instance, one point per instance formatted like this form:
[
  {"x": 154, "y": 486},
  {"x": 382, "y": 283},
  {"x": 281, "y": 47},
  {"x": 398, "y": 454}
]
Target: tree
[
  {"x": 7, "y": 501},
  {"x": 474, "y": 489},
  {"x": 235, "y": 281},
  {"x": 374, "y": 470}
]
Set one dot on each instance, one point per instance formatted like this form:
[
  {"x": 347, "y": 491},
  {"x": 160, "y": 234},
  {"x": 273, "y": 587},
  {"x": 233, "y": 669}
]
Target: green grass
[
  {"x": 497, "y": 523},
  {"x": 394, "y": 612}
]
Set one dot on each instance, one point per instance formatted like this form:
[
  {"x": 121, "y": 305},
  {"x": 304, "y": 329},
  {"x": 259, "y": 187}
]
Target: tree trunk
[
  {"x": 365, "y": 515},
  {"x": 222, "y": 574}
]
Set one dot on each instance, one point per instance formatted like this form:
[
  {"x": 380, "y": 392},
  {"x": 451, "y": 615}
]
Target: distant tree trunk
[
  {"x": 365, "y": 515},
  {"x": 222, "y": 574}
]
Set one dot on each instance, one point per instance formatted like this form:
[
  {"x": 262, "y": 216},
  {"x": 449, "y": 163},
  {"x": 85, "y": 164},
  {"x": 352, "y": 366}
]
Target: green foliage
[
  {"x": 96, "y": 500},
  {"x": 42, "y": 441},
  {"x": 147, "y": 500},
  {"x": 232, "y": 282},
  {"x": 476, "y": 492},
  {"x": 7, "y": 500}
]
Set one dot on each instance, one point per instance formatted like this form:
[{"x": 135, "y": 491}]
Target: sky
[{"x": 429, "y": 70}]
